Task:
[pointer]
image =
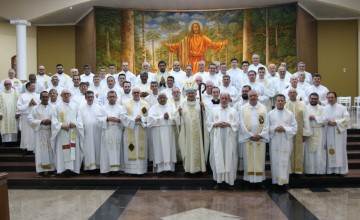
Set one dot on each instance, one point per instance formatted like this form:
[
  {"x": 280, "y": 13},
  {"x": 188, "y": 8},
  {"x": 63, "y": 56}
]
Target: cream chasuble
[
  {"x": 8, "y": 110},
  {"x": 253, "y": 120}
]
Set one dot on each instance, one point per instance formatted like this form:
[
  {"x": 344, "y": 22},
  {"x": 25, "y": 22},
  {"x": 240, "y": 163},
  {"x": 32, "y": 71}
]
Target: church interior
[{"x": 324, "y": 34}]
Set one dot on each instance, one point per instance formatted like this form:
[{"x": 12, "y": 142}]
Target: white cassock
[
  {"x": 102, "y": 100},
  {"x": 44, "y": 154},
  {"x": 65, "y": 81},
  {"x": 8, "y": 109},
  {"x": 223, "y": 151},
  {"x": 231, "y": 90},
  {"x": 194, "y": 150},
  {"x": 163, "y": 137},
  {"x": 336, "y": 138},
  {"x": 92, "y": 135},
  {"x": 281, "y": 144},
  {"x": 27, "y": 133},
  {"x": 253, "y": 120},
  {"x": 111, "y": 150},
  {"x": 315, "y": 153},
  {"x": 124, "y": 98},
  {"x": 44, "y": 80},
  {"x": 87, "y": 78},
  {"x": 15, "y": 83},
  {"x": 66, "y": 144},
  {"x": 135, "y": 137}
]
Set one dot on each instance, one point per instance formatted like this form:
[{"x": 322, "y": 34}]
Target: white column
[{"x": 21, "y": 52}]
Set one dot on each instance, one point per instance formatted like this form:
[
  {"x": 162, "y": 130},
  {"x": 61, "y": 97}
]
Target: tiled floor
[{"x": 176, "y": 204}]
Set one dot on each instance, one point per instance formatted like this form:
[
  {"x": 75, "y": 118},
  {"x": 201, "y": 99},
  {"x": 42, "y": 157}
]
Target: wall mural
[{"x": 138, "y": 36}]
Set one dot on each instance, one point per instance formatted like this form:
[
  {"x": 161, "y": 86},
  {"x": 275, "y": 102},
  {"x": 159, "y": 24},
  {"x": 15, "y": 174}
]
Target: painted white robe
[
  {"x": 136, "y": 151},
  {"x": 111, "y": 150},
  {"x": 193, "y": 149},
  {"x": 92, "y": 135},
  {"x": 44, "y": 155},
  {"x": 163, "y": 137},
  {"x": 223, "y": 151},
  {"x": 27, "y": 133},
  {"x": 64, "y": 114},
  {"x": 315, "y": 152},
  {"x": 257, "y": 149},
  {"x": 336, "y": 139},
  {"x": 8, "y": 109},
  {"x": 281, "y": 144}
]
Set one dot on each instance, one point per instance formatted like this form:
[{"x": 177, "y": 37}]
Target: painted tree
[
  {"x": 170, "y": 26},
  {"x": 219, "y": 17},
  {"x": 153, "y": 36},
  {"x": 246, "y": 34},
  {"x": 107, "y": 22},
  {"x": 127, "y": 37}
]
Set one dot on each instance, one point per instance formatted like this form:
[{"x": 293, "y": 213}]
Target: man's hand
[
  {"x": 1, "y": 117},
  {"x": 280, "y": 129},
  {"x": 180, "y": 111},
  {"x": 332, "y": 123},
  {"x": 138, "y": 118},
  {"x": 202, "y": 105},
  {"x": 65, "y": 127},
  {"x": 311, "y": 117},
  {"x": 46, "y": 122},
  {"x": 72, "y": 125},
  {"x": 17, "y": 116},
  {"x": 255, "y": 137},
  {"x": 166, "y": 116}
]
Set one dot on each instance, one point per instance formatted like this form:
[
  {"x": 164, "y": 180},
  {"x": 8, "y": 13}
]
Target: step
[
  {"x": 353, "y": 154},
  {"x": 17, "y": 166},
  {"x": 11, "y": 150},
  {"x": 354, "y": 163},
  {"x": 353, "y": 138},
  {"x": 353, "y": 146},
  {"x": 15, "y": 157},
  {"x": 353, "y": 131}
]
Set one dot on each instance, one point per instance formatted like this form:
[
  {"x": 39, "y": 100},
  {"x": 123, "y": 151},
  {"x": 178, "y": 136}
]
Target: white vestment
[
  {"x": 320, "y": 90},
  {"x": 27, "y": 133},
  {"x": 253, "y": 121},
  {"x": 135, "y": 137},
  {"x": 92, "y": 135},
  {"x": 65, "y": 81},
  {"x": 111, "y": 150},
  {"x": 163, "y": 137},
  {"x": 223, "y": 152},
  {"x": 193, "y": 149},
  {"x": 66, "y": 144},
  {"x": 315, "y": 153},
  {"x": 336, "y": 138},
  {"x": 281, "y": 144},
  {"x": 8, "y": 110},
  {"x": 44, "y": 154}
]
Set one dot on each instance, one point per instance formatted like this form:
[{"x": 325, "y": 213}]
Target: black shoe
[{"x": 217, "y": 186}]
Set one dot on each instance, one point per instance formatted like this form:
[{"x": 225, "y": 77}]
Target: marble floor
[{"x": 174, "y": 203}]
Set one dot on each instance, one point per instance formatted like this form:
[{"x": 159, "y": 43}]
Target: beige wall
[
  {"x": 338, "y": 51},
  {"x": 8, "y": 47},
  {"x": 56, "y": 45}
]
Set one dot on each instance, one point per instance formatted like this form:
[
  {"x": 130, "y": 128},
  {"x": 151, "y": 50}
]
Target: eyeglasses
[{"x": 136, "y": 92}]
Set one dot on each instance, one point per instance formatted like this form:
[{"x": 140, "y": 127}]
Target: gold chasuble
[
  {"x": 131, "y": 142},
  {"x": 255, "y": 166},
  {"x": 297, "y": 153}
]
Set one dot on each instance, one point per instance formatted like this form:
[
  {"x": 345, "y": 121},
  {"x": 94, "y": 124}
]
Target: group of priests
[{"x": 119, "y": 122}]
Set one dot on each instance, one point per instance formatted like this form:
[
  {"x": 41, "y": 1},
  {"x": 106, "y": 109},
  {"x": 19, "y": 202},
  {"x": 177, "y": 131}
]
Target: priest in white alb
[
  {"x": 223, "y": 123},
  {"x": 162, "y": 129},
  {"x": 315, "y": 152},
  {"x": 25, "y": 103},
  {"x": 8, "y": 113},
  {"x": 40, "y": 120},
  {"x": 110, "y": 121},
  {"x": 66, "y": 135},
  {"x": 336, "y": 121},
  {"x": 253, "y": 135},
  {"x": 92, "y": 131},
  {"x": 135, "y": 136},
  {"x": 283, "y": 127}
]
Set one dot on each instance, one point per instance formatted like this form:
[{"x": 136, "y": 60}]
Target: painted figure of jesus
[{"x": 192, "y": 48}]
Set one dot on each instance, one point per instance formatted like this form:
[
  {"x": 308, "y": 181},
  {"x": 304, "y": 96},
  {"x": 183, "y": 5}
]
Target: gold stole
[
  {"x": 130, "y": 141},
  {"x": 297, "y": 153},
  {"x": 254, "y": 167}
]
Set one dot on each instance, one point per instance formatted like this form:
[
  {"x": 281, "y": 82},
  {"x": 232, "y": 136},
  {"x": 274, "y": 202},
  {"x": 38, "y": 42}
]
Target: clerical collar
[{"x": 215, "y": 101}]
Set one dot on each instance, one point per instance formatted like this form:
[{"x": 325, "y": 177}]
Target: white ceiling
[{"x": 56, "y": 12}]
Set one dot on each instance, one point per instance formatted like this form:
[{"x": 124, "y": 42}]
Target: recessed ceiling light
[{"x": 70, "y": 8}]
